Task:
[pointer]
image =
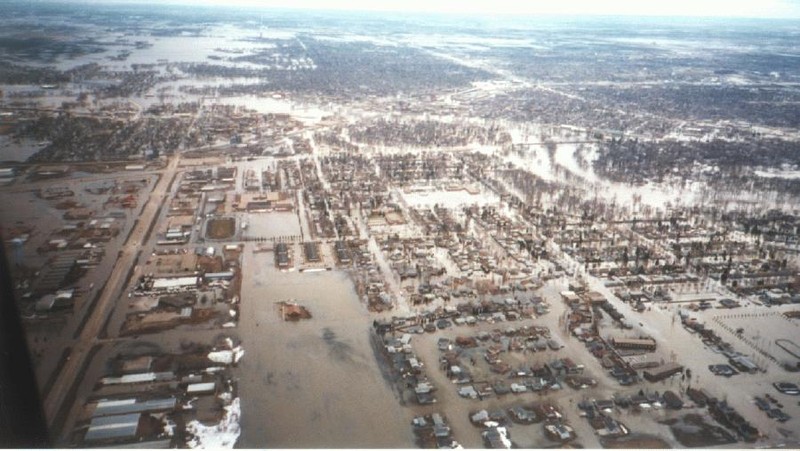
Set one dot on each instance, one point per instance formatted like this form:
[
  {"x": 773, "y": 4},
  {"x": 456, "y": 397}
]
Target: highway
[{"x": 70, "y": 375}]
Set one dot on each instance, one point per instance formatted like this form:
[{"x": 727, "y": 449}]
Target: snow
[
  {"x": 504, "y": 437},
  {"x": 779, "y": 174},
  {"x": 221, "y": 435},
  {"x": 227, "y": 356},
  {"x": 169, "y": 428},
  {"x": 221, "y": 356}
]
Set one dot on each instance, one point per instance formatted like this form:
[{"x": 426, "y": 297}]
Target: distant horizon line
[{"x": 410, "y": 11}]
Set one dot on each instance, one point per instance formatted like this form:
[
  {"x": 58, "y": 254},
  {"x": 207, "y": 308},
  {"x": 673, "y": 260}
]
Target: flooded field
[
  {"x": 271, "y": 225},
  {"x": 313, "y": 383}
]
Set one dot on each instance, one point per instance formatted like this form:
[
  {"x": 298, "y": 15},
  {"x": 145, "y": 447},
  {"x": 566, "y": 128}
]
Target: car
[
  {"x": 443, "y": 324},
  {"x": 415, "y": 330},
  {"x": 778, "y": 415},
  {"x": 722, "y": 370},
  {"x": 762, "y": 404},
  {"x": 787, "y": 388}
]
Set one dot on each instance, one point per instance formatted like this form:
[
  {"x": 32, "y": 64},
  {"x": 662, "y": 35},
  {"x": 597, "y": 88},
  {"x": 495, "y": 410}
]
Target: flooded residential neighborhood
[{"x": 241, "y": 226}]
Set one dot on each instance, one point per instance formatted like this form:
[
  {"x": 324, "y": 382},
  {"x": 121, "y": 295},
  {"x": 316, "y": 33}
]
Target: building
[
  {"x": 646, "y": 344},
  {"x": 342, "y": 254},
  {"x": 128, "y": 406},
  {"x": 662, "y": 372},
  {"x": 282, "y": 255},
  {"x": 174, "y": 283},
  {"x": 113, "y": 428},
  {"x": 311, "y": 252}
]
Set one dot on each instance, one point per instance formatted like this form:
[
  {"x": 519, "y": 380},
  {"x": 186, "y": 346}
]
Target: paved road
[{"x": 69, "y": 374}]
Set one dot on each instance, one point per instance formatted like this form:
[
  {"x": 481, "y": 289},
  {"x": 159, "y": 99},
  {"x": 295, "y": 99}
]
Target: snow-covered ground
[{"x": 221, "y": 435}]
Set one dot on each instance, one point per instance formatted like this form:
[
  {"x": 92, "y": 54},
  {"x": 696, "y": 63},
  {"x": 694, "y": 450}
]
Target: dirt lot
[{"x": 219, "y": 229}]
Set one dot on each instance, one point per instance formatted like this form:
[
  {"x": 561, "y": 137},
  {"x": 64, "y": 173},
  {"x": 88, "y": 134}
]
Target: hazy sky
[{"x": 711, "y": 8}]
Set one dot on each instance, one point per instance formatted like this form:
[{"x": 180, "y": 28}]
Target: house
[
  {"x": 559, "y": 431},
  {"x": 570, "y": 298},
  {"x": 497, "y": 438},
  {"x": 522, "y": 415},
  {"x": 440, "y": 427}
]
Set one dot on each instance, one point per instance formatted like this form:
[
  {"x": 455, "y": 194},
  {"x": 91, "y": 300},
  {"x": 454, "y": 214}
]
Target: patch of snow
[
  {"x": 169, "y": 427},
  {"x": 221, "y": 356},
  {"x": 222, "y": 435},
  {"x": 504, "y": 437},
  {"x": 188, "y": 405},
  {"x": 227, "y": 356},
  {"x": 779, "y": 174}
]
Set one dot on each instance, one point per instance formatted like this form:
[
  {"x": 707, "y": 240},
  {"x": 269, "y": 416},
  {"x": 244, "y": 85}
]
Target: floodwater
[
  {"x": 314, "y": 383},
  {"x": 271, "y": 225}
]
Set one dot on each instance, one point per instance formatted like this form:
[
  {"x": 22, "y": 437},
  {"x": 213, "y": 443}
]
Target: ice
[{"x": 222, "y": 435}]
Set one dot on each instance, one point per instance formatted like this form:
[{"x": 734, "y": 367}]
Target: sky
[{"x": 692, "y": 8}]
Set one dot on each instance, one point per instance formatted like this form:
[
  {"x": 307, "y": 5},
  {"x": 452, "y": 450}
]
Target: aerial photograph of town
[{"x": 229, "y": 224}]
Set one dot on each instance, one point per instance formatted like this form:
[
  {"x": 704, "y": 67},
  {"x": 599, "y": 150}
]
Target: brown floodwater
[{"x": 313, "y": 383}]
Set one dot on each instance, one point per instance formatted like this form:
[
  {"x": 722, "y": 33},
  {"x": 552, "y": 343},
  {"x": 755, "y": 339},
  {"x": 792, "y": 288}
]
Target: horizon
[{"x": 682, "y": 9}]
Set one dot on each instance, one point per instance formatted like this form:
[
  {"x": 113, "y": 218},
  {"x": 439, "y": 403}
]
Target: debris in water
[{"x": 292, "y": 311}]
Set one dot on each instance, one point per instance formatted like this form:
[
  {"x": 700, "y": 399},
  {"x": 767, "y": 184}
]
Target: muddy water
[
  {"x": 271, "y": 225},
  {"x": 314, "y": 383}
]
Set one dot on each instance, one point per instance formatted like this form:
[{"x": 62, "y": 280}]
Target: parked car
[
  {"x": 723, "y": 370},
  {"x": 779, "y": 415},
  {"x": 787, "y": 388},
  {"x": 762, "y": 404}
]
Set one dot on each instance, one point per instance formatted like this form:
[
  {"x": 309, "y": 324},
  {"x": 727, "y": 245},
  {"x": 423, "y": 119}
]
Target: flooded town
[{"x": 263, "y": 228}]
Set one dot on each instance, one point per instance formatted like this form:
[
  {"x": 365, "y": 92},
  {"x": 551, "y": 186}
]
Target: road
[{"x": 69, "y": 374}]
